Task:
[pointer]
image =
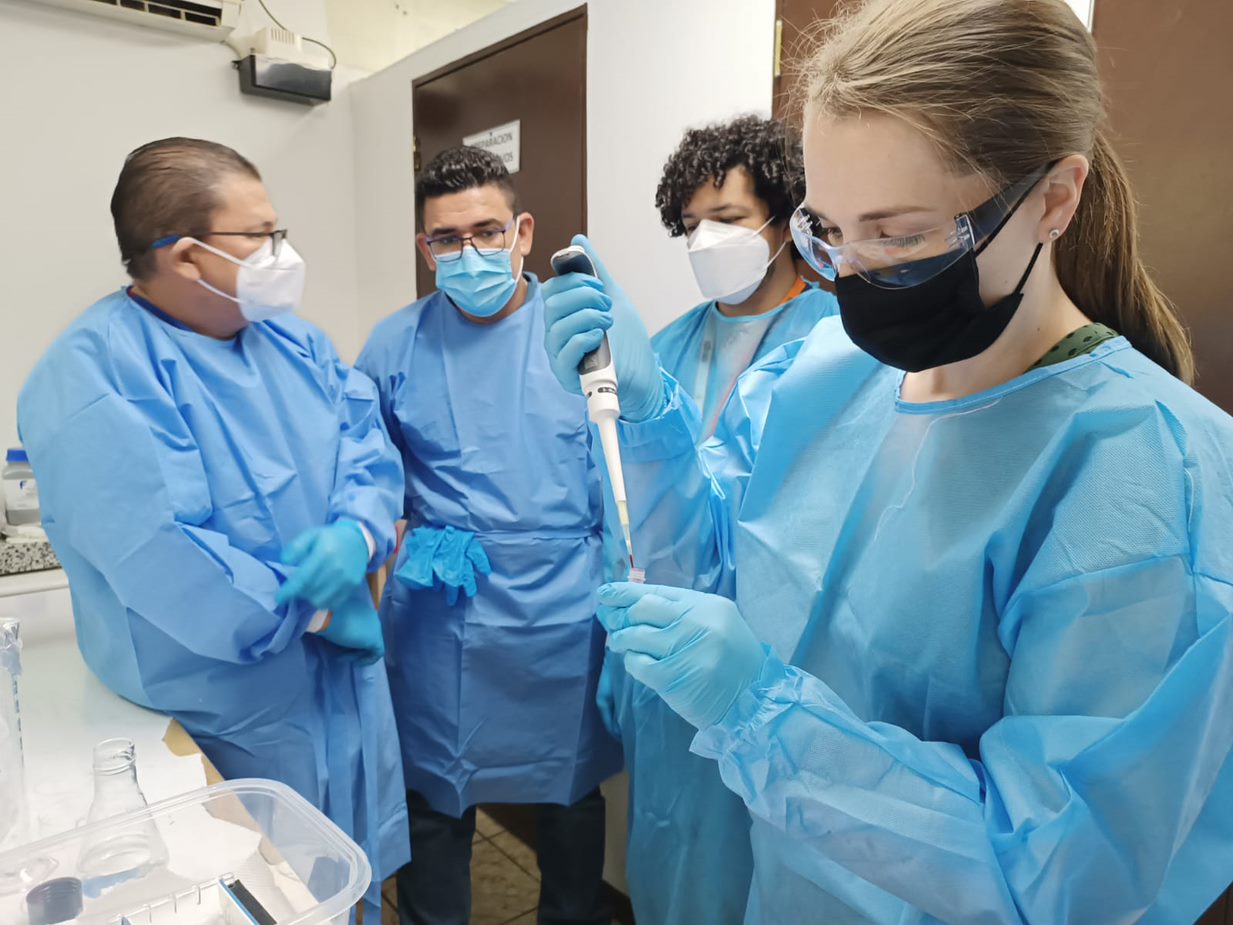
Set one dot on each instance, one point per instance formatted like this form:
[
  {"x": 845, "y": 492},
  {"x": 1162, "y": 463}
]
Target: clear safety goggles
[{"x": 908, "y": 260}]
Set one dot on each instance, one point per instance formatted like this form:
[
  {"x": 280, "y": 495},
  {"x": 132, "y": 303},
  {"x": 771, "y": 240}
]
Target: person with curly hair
[{"x": 730, "y": 189}]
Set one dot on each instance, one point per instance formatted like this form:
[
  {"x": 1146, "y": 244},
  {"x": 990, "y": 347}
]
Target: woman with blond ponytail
[{"x": 950, "y": 611}]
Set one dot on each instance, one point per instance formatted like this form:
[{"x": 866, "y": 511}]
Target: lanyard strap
[{"x": 706, "y": 355}]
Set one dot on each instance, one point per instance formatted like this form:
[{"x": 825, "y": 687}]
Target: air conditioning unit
[{"x": 213, "y": 20}]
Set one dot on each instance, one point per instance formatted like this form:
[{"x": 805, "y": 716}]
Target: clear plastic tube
[
  {"x": 14, "y": 809},
  {"x": 12, "y": 759}
]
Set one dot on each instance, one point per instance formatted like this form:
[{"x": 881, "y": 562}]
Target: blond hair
[{"x": 1003, "y": 87}]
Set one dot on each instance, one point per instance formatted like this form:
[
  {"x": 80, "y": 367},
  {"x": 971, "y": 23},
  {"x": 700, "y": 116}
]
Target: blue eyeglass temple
[{"x": 168, "y": 240}]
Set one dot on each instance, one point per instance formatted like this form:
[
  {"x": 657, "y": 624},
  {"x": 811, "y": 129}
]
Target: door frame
[{"x": 547, "y": 25}]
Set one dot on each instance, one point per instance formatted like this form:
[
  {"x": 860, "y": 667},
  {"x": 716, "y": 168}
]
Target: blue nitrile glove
[
  {"x": 330, "y": 562},
  {"x": 459, "y": 557},
  {"x": 416, "y": 571},
  {"x": 578, "y": 309},
  {"x": 356, "y": 626},
  {"x": 695, "y": 650},
  {"x": 446, "y": 558},
  {"x": 605, "y": 699}
]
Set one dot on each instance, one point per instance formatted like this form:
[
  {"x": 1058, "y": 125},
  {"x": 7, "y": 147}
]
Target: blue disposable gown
[
  {"x": 173, "y": 468},
  {"x": 1006, "y": 627},
  {"x": 688, "y": 858},
  {"x": 705, "y": 350},
  {"x": 495, "y": 696}
]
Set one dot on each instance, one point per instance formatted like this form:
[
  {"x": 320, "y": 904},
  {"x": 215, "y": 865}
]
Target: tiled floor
[{"x": 504, "y": 879}]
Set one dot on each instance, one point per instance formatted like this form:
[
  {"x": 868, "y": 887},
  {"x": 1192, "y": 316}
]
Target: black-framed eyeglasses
[
  {"x": 486, "y": 242},
  {"x": 277, "y": 237}
]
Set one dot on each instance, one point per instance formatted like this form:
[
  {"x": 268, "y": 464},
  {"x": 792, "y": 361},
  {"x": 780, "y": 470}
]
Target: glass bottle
[{"x": 116, "y": 854}]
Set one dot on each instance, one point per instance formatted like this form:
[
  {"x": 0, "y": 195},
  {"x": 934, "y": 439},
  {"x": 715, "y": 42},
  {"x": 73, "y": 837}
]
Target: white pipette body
[{"x": 597, "y": 375}]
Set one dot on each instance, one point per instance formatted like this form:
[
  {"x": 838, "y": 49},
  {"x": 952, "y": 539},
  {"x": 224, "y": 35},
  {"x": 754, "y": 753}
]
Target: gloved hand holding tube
[{"x": 693, "y": 649}]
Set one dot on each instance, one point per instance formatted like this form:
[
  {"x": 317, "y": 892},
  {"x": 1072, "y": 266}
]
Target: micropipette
[{"x": 597, "y": 374}]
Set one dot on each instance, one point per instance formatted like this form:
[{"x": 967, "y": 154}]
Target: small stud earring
[{"x": 1055, "y": 234}]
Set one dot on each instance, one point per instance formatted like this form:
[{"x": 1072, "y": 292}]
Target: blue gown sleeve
[
  {"x": 132, "y": 506},
  {"x": 683, "y": 500},
  {"x": 368, "y": 481},
  {"x": 677, "y": 506},
  {"x": 1114, "y": 740},
  {"x": 375, "y": 363}
]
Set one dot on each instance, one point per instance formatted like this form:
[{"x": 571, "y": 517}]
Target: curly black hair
[
  {"x": 462, "y": 168},
  {"x": 764, "y": 147}
]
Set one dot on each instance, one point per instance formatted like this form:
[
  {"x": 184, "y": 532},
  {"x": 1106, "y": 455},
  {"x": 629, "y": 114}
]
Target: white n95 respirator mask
[
  {"x": 729, "y": 261},
  {"x": 267, "y": 285}
]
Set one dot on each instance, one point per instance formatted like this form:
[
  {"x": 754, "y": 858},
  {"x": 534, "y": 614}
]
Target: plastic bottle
[
  {"x": 16, "y": 873},
  {"x": 21, "y": 492},
  {"x": 12, "y": 766}
]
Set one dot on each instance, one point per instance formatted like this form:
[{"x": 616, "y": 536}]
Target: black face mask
[{"x": 937, "y": 322}]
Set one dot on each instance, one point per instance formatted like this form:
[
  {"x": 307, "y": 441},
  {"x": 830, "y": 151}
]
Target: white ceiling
[{"x": 372, "y": 34}]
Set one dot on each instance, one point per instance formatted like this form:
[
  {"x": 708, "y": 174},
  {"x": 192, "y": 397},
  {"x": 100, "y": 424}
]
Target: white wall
[
  {"x": 653, "y": 69},
  {"x": 80, "y": 92},
  {"x": 1083, "y": 9}
]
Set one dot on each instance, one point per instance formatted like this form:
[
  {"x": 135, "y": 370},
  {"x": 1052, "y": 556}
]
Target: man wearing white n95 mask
[
  {"x": 218, "y": 484},
  {"x": 730, "y": 190}
]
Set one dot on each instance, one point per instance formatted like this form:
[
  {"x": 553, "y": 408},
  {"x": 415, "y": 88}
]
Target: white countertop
[
  {"x": 65, "y": 710},
  {"x": 32, "y": 582}
]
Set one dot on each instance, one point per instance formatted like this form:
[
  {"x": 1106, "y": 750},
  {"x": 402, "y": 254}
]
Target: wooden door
[
  {"x": 795, "y": 22},
  {"x": 1168, "y": 75},
  {"x": 538, "y": 79},
  {"x": 1221, "y": 913}
]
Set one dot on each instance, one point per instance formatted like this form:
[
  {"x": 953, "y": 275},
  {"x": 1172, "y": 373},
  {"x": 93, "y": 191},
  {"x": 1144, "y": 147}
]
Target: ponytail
[
  {"x": 1099, "y": 266},
  {"x": 1002, "y": 87}
]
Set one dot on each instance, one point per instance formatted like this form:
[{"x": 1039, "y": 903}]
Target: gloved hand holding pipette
[
  {"x": 579, "y": 310},
  {"x": 591, "y": 330}
]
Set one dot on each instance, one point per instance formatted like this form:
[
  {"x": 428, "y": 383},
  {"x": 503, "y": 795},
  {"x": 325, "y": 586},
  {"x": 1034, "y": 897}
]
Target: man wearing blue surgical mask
[
  {"x": 218, "y": 484},
  {"x": 492, "y": 648}
]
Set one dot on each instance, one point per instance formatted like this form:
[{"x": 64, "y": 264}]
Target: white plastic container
[
  {"x": 21, "y": 491},
  {"x": 295, "y": 864}
]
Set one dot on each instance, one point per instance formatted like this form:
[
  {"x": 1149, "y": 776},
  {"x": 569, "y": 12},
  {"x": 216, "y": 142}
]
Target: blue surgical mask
[{"x": 479, "y": 284}]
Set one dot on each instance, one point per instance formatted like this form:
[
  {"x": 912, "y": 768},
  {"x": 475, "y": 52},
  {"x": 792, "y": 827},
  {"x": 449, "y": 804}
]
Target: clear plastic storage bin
[{"x": 245, "y": 852}]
